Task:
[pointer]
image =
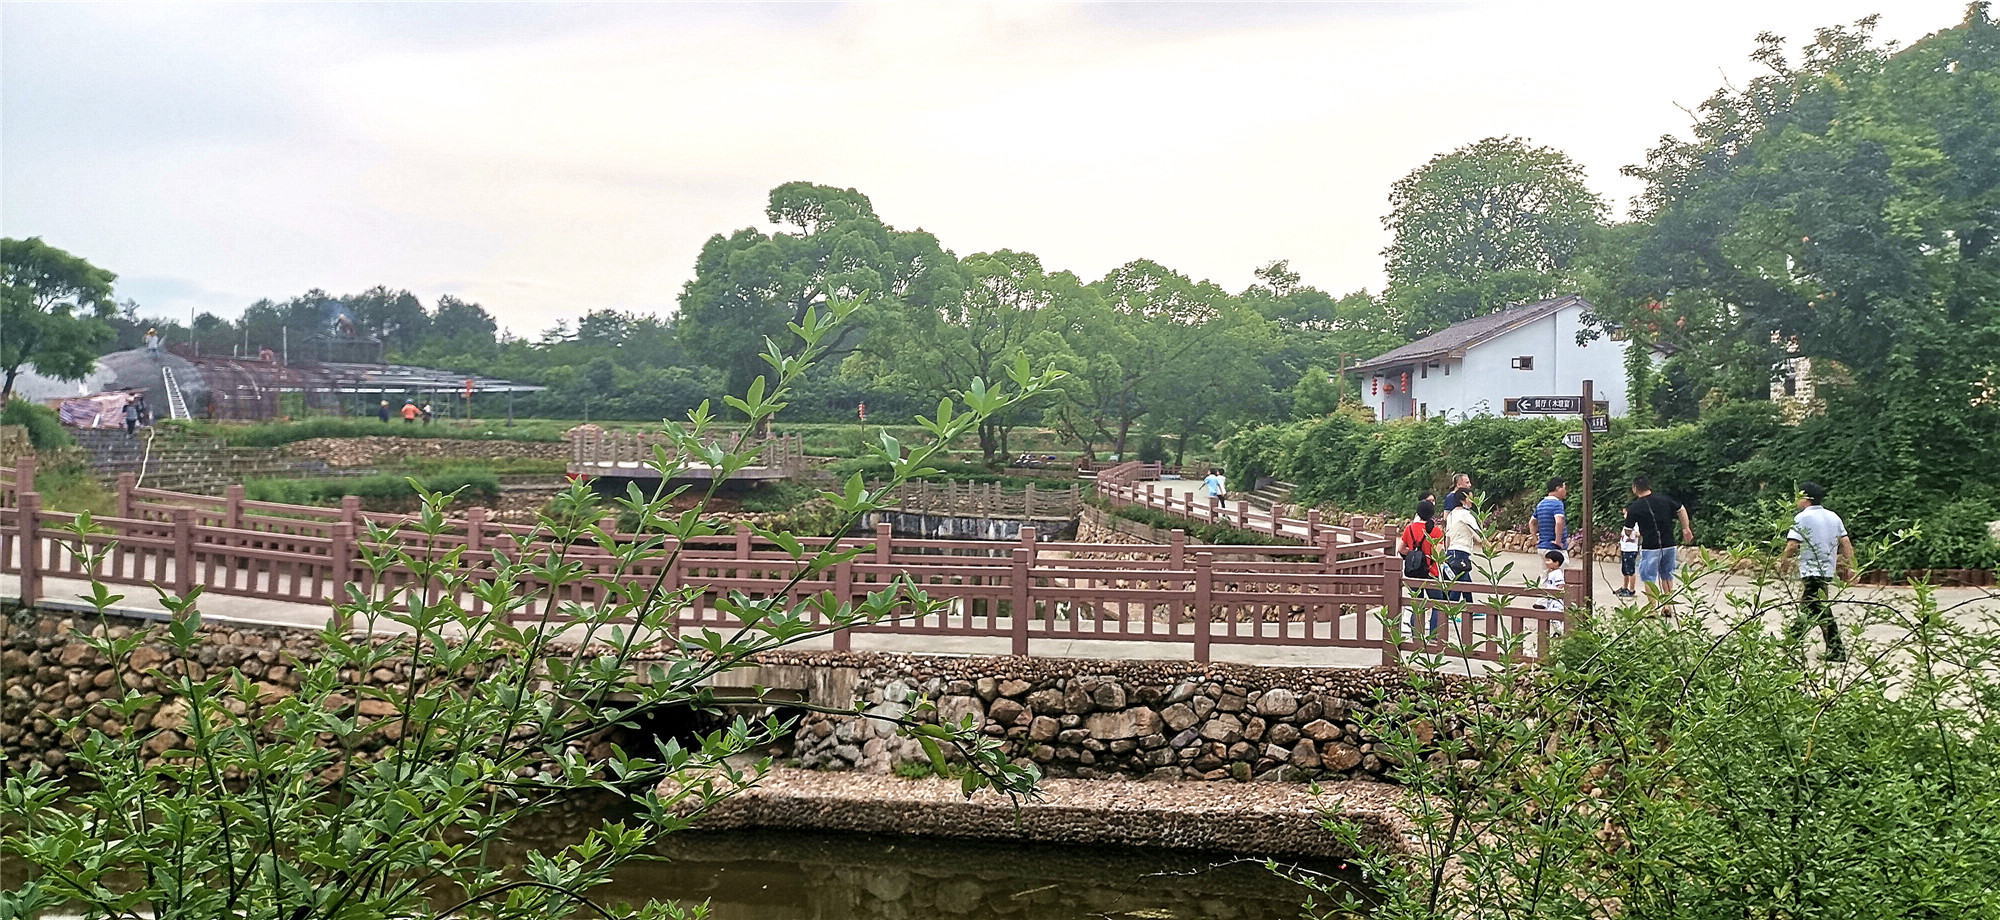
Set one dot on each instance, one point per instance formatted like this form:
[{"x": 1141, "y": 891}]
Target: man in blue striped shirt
[{"x": 1551, "y": 524}]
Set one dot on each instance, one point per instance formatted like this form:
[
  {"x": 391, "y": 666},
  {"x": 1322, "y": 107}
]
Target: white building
[{"x": 1477, "y": 366}]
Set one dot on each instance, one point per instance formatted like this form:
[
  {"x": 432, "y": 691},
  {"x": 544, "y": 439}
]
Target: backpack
[{"x": 1416, "y": 562}]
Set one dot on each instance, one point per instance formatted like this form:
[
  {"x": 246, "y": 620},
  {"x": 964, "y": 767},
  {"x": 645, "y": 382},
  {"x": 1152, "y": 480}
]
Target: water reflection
[{"x": 788, "y": 875}]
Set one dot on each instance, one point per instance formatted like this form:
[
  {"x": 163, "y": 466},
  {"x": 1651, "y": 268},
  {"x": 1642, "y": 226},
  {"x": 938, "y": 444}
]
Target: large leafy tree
[
  {"x": 1311, "y": 330},
  {"x": 54, "y": 312},
  {"x": 1007, "y": 309},
  {"x": 1155, "y": 323},
  {"x": 831, "y": 247},
  {"x": 1844, "y": 207},
  {"x": 1485, "y": 225}
]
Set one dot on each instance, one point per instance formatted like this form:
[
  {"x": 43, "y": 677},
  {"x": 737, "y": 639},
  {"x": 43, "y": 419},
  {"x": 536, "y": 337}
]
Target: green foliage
[
  {"x": 67, "y": 483},
  {"x": 1489, "y": 224},
  {"x": 384, "y": 492},
  {"x": 45, "y": 429},
  {"x": 1315, "y": 394},
  {"x": 312, "y": 806},
  {"x": 54, "y": 307},
  {"x": 1659, "y": 771},
  {"x": 1724, "y": 468},
  {"x": 1197, "y": 531},
  {"x": 275, "y": 434}
]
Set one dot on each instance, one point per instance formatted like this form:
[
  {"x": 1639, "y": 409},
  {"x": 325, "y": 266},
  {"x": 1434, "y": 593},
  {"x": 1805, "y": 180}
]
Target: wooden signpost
[{"x": 1586, "y": 406}]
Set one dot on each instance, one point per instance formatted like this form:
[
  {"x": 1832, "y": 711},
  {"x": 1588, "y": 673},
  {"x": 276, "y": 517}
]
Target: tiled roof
[{"x": 1461, "y": 336}]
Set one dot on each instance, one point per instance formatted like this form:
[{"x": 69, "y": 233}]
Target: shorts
[
  {"x": 1658, "y": 564},
  {"x": 1628, "y": 563}
]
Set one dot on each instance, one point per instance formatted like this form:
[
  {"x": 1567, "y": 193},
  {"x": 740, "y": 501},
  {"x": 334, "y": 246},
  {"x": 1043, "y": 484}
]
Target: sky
[{"x": 545, "y": 160}]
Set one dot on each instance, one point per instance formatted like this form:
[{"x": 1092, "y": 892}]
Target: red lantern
[
  {"x": 1374, "y": 385},
  {"x": 1406, "y": 381}
]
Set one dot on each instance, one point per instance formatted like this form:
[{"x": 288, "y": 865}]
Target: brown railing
[
  {"x": 595, "y": 449},
  {"x": 1331, "y": 595},
  {"x": 983, "y": 499},
  {"x": 1134, "y": 484}
]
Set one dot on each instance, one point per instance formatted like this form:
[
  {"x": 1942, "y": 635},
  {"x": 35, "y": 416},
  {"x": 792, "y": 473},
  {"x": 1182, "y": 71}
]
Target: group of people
[
  {"x": 137, "y": 415},
  {"x": 411, "y": 412},
  {"x": 1648, "y": 550}
]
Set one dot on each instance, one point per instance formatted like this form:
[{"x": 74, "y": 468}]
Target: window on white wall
[{"x": 1524, "y": 363}]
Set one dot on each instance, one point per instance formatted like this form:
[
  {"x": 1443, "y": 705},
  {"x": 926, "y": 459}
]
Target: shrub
[
  {"x": 45, "y": 430},
  {"x": 383, "y": 492}
]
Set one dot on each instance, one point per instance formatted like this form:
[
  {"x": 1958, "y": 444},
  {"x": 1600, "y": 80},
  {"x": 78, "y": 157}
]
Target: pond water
[{"x": 795, "y": 875}]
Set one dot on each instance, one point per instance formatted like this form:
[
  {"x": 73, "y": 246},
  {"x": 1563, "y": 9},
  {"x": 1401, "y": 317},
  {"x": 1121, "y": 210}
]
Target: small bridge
[
  {"x": 1341, "y": 595},
  {"x": 632, "y": 455}
]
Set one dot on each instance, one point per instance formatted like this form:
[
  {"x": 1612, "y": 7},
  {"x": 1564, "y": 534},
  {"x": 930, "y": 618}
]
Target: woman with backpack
[{"x": 1418, "y": 547}]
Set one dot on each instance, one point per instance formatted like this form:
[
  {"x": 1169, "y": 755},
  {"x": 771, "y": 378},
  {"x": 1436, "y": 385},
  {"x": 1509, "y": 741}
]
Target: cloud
[{"x": 548, "y": 159}]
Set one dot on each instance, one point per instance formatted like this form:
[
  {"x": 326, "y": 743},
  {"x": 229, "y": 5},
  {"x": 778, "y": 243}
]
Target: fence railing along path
[
  {"x": 1136, "y": 484},
  {"x": 1335, "y": 595}
]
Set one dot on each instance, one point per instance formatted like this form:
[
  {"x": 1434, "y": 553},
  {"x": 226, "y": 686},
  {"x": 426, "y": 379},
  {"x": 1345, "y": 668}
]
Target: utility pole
[{"x": 1588, "y": 547}]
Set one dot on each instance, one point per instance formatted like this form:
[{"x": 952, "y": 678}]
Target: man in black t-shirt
[{"x": 1654, "y": 514}]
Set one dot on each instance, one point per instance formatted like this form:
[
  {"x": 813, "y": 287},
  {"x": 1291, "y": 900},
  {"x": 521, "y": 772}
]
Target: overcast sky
[{"x": 545, "y": 160}]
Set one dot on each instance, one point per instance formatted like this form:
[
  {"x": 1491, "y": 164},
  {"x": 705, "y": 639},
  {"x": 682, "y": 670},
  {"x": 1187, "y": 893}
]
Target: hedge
[
  {"x": 384, "y": 492},
  {"x": 1736, "y": 469},
  {"x": 45, "y": 430}
]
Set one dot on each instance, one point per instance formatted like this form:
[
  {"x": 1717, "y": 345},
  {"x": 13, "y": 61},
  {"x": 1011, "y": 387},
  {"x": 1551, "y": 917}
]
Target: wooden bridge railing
[
  {"x": 1332, "y": 595},
  {"x": 984, "y": 499},
  {"x": 591, "y": 447}
]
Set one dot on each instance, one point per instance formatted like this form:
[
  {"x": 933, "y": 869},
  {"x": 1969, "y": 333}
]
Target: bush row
[
  {"x": 1736, "y": 469},
  {"x": 385, "y": 492}
]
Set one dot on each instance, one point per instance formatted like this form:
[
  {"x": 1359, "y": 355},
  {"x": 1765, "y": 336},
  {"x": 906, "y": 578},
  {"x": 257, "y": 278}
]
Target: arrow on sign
[{"x": 1549, "y": 405}]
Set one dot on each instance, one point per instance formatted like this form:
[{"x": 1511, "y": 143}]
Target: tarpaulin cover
[{"x": 98, "y": 410}]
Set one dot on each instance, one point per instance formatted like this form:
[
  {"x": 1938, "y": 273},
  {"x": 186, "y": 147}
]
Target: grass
[{"x": 66, "y": 484}]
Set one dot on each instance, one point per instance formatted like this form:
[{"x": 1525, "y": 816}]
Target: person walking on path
[
  {"x": 1551, "y": 524},
  {"x": 1422, "y": 535},
  {"x": 1654, "y": 514},
  {"x": 1214, "y": 485},
  {"x": 409, "y": 412},
  {"x": 382, "y": 412},
  {"x": 153, "y": 343},
  {"x": 1628, "y": 560},
  {"x": 1462, "y": 538},
  {"x": 1461, "y": 489},
  {"x": 131, "y": 417},
  {"x": 429, "y": 413},
  {"x": 1818, "y": 539}
]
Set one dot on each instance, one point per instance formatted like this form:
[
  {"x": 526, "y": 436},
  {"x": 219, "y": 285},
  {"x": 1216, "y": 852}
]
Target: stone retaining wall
[
  {"x": 1102, "y": 719},
  {"x": 374, "y": 450}
]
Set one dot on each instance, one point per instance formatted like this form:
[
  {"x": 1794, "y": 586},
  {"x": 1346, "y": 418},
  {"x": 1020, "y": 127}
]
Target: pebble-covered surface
[{"x": 1279, "y": 819}]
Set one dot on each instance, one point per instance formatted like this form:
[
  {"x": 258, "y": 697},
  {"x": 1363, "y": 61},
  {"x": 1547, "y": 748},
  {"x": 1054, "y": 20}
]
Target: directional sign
[
  {"x": 1573, "y": 440},
  {"x": 1549, "y": 405},
  {"x": 1600, "y": 423}
]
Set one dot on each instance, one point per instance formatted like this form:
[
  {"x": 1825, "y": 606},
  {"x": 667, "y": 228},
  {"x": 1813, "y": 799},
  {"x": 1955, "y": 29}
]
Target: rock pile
[
  {"x": 1092, "y": 720},
  {"x": 371, "y": 451}
]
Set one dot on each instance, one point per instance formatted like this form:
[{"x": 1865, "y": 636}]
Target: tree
[
  {"x": 317, "y": 805},
  {"x": 1005, "y": 310},
  {"x": 750, "y": 285},
  {"x": 395, "y": 317},
  {"x": 1496, "y": 219},
  {"x": 54, "y": 312},
  {"x": 461, "y": 322},
  {"x": 1152, "y": 324}
]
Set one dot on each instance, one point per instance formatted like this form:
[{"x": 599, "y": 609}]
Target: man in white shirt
[{"x": 1818, "y": 539}]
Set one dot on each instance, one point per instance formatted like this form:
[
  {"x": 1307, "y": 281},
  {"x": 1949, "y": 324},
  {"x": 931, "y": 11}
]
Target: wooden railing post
[
  {"x": 475, "y": 529},
  {"x": 340, "y": 562},
  {"x": 843, "y": 595},
  {"x": 884, "y": 542},
  {"x": 1024, "y": 598},
  {"x": 183, "y": 550},
  {"x": 232, "y": 506},
  {"x": 1392, "y": 615},
  {"x": 1312, "y": 525},
  {"x": 126, "y": 483},
  {"x": 1028, "y": 536},
  {"x": 350, "y": 511},
  {"x": 1177, "y": 550},
  {"x": 1028, "y": 501},
  {"x": 1355, "y": 525},
  {"x": 28, "y": 508},
  {"x": 1204, "y": 604},
  {"x": 742, "y": 541}
]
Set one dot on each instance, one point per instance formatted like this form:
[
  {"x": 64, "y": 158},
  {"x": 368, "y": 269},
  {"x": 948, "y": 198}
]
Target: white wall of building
[{"x": 1479, "y": 383}]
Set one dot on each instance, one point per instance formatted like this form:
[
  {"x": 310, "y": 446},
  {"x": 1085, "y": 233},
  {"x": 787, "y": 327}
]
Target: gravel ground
[{"x": 1276, "y": 819}]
